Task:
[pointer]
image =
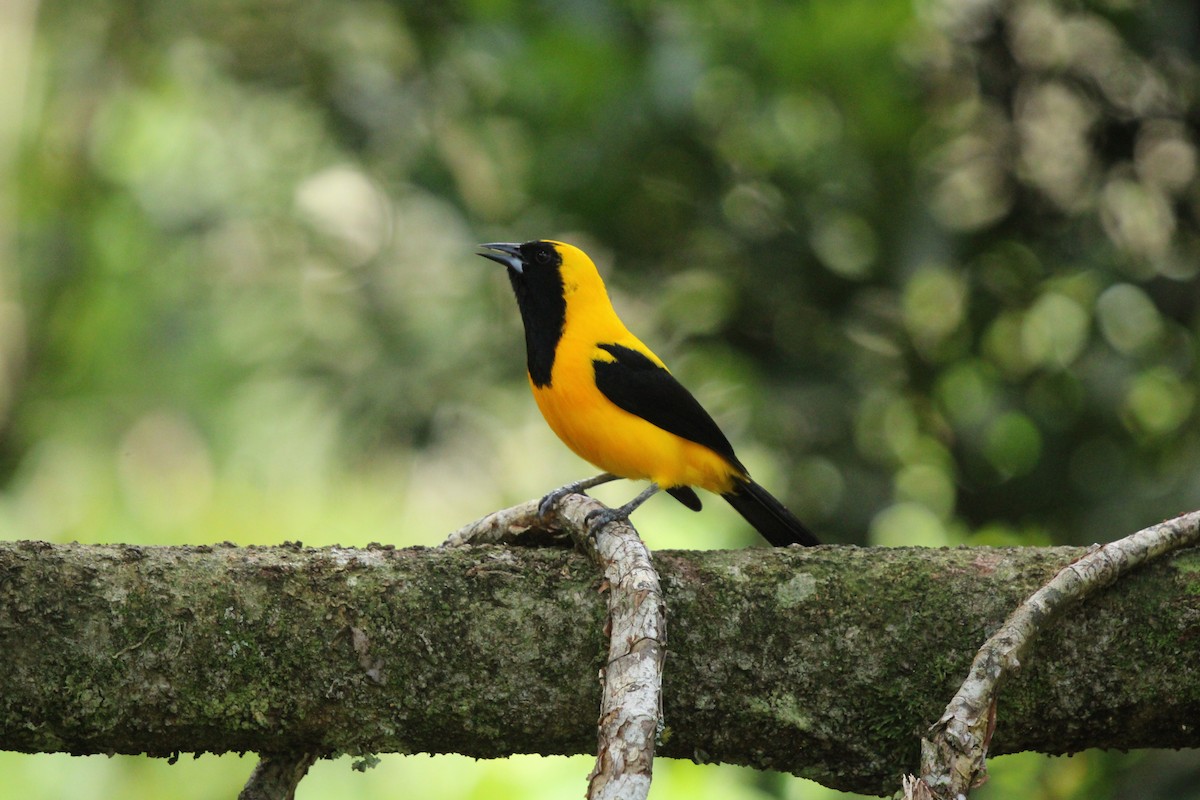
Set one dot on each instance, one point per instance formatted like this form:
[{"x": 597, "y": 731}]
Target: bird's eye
[{"x": 542, "y": 256}]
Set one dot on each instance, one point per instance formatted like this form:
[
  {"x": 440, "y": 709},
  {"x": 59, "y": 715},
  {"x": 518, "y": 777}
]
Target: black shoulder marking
[
  {"x": 539, "y": 291},
  {"x": 641, "y": 387}
]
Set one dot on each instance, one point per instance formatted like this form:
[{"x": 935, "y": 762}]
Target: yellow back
[{"x": 587, "y": 421}]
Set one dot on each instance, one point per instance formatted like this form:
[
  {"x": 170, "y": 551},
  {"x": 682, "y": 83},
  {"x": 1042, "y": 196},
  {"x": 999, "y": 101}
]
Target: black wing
[
  {"x": 686, "y": 495},
  {"x": 643, "y": 388}
]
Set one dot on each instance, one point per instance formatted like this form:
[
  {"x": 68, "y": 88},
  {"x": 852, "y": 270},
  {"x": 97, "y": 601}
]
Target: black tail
[{"x": 768, "y": 516}]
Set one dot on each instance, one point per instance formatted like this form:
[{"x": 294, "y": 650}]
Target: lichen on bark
[{"x": 828, "y": 662}]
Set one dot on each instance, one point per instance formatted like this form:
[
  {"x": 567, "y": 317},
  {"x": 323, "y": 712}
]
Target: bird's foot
[
  {"x": 597, "y": 519},
  {"x": 552, "y": 499}
]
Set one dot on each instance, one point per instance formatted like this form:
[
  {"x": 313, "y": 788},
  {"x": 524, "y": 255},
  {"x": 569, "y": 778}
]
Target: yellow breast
[
  {"x": 613, "y": 439},
  {"x": 589, "y": 423}
]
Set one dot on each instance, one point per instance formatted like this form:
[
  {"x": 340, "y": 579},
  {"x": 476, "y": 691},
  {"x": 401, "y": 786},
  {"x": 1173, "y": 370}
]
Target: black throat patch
[{"x": 539, "y": 291}]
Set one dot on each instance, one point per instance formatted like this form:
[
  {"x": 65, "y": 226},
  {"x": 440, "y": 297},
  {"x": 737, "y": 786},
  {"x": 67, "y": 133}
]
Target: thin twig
[
  {"x": 953, "y": 752},
  {"x": 276, "y": 776},
  {"x": 519, "y": 524},
  {"x": 630, "y": 709}
]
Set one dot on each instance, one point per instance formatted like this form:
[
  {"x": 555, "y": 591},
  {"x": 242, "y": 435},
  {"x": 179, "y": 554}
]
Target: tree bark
[
  {"x": 826, "y": 662},
  {"x": 954, "y": 753}
]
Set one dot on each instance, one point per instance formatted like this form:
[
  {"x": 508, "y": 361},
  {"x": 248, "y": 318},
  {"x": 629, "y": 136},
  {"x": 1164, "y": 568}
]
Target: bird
[{"x": 612, "y": 401}]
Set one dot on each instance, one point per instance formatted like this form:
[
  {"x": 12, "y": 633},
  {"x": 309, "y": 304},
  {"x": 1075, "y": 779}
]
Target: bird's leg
[
  {"x": 598, "y": 519},
  {"x": 551, "y": 500}
]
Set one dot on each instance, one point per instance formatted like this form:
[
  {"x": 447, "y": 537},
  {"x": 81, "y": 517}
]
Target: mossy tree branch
[
  {"x": 953, "y": 755},
  {"x": 827, "y": 662}
]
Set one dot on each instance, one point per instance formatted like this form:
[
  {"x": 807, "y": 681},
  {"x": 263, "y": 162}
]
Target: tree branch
[
  {"x": 827, "y": 662},
  {"x": 953, "y": 753},
  {"x": 276, "y": 776},
  {"x": 632, "y": 678}
]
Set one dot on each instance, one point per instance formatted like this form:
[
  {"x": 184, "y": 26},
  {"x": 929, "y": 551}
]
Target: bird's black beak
[{"x": 505, "y": 253}]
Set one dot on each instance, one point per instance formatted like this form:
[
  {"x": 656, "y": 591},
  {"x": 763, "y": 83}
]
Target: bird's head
[
  {"x": 552, "y": 281},
  {"x": 545, "y": 267},
  {"x": 539, "y": 255}
]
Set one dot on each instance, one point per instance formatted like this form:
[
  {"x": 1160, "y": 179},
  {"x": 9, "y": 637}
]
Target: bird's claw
[
  {"x": 598, "y": 518},
  {"x": 552, "y": 499}
]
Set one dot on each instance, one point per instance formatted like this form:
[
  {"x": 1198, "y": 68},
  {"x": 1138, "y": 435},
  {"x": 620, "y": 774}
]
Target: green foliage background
[{"x": 933, "y": 266}]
